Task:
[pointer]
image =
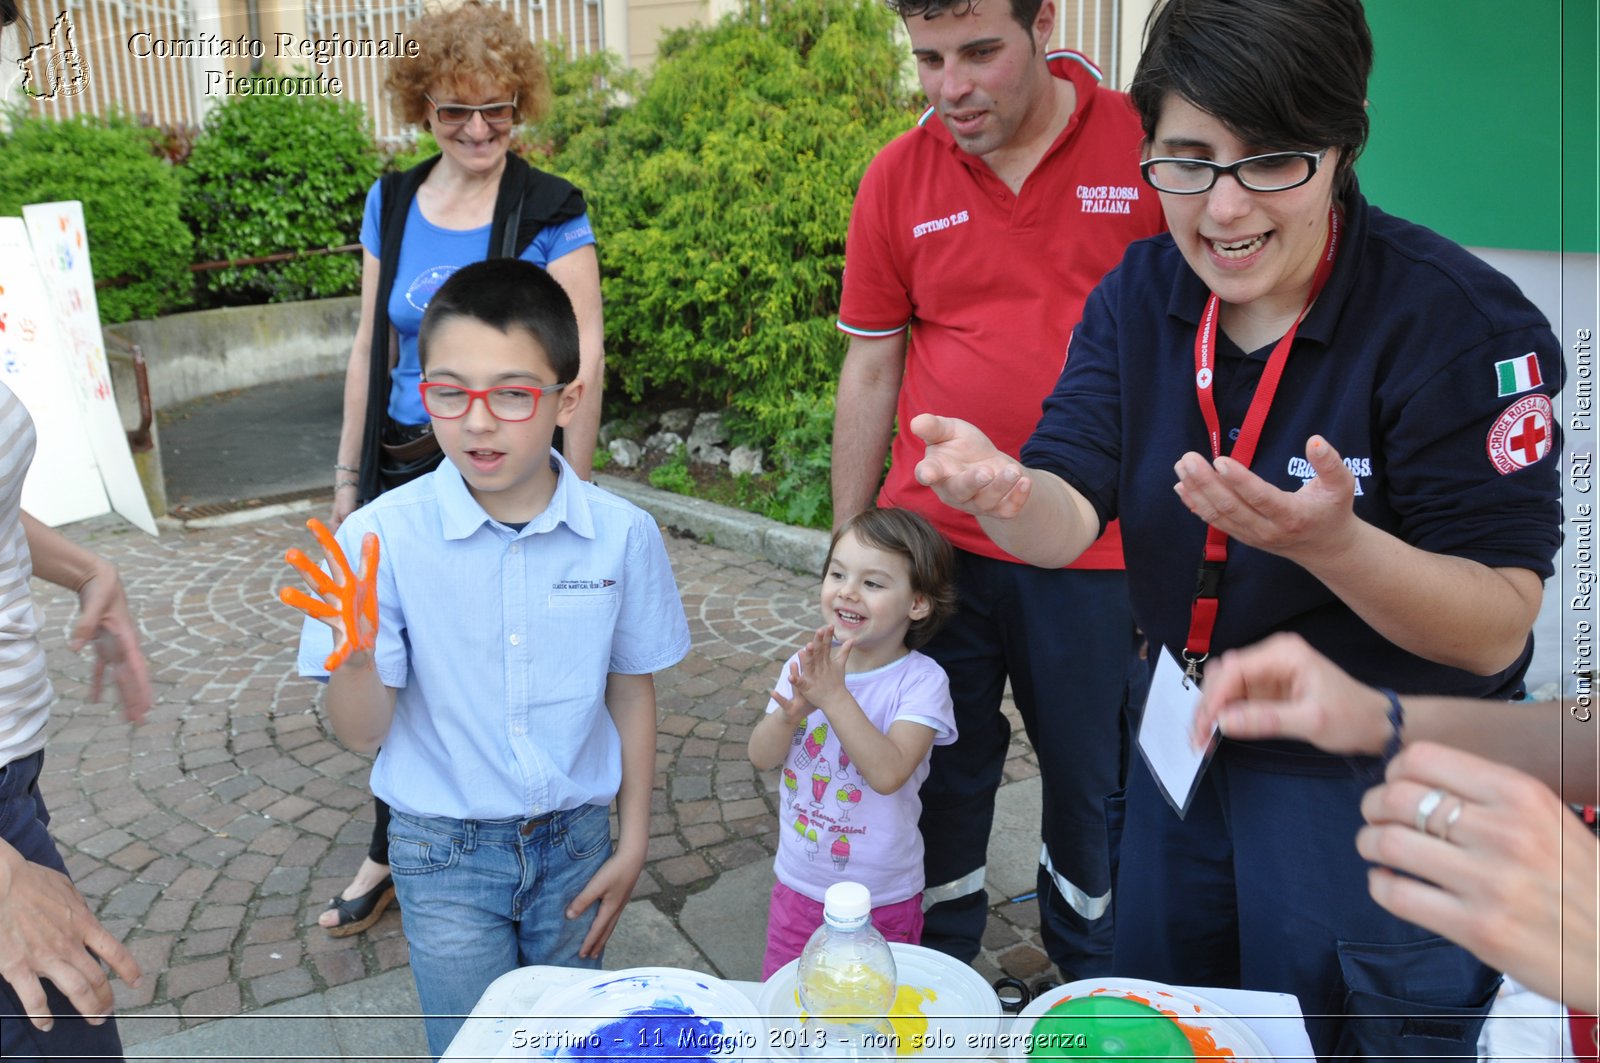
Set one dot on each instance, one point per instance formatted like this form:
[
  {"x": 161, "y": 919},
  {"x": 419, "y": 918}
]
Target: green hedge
[
  {"x": 130, "y": 204},
  {"x": 721, "y": 199},
  {"x": 275, "y": 173}
]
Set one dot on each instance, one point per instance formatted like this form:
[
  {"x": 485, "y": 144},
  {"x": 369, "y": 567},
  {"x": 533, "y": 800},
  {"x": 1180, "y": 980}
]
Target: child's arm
[
  {"x": 774, "y": 733},
  {"x": 631, "y": 700},
  {"x": 886, "y": 760},
  {"x": 360, "y": 706}
]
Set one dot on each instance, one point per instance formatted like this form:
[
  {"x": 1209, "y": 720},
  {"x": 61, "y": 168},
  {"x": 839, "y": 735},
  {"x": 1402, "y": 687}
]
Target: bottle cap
[{"x": 847, "y": 902}]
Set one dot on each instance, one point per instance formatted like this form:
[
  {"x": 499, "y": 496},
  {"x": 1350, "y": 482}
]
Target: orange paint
[
  {"x": 1201, "y": 1041},
  {"x": 350, "y": 598}
]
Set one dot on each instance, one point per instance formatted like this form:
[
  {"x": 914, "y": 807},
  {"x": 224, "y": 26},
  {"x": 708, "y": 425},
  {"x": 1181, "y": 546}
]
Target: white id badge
[{"x": 1164, "y": 734}]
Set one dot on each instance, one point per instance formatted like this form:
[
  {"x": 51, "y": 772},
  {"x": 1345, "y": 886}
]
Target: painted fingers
[{"x": 346, "y": 601}]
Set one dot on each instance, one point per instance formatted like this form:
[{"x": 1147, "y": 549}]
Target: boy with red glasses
[{"x": 522, "y": 613}]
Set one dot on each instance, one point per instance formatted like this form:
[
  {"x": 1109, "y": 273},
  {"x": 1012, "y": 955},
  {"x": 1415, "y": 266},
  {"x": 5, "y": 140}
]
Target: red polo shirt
[{"x": 991, "y": 283}]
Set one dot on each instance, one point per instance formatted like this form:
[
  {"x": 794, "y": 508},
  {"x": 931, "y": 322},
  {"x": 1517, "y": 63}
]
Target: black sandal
[{"x": 358, "y": 913}]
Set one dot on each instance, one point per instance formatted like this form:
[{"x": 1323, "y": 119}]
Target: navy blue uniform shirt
[{"x": 1412, "y": 363}]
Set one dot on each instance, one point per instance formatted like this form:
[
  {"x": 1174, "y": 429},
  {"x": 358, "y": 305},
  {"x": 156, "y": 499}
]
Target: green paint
[{"x": 1484, "y": 120}]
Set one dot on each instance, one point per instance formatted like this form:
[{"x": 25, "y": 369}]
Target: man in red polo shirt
[{"x": 974, "y": 240}]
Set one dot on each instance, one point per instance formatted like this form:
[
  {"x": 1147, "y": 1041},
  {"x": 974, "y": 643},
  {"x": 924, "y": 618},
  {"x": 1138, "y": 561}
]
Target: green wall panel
[{"x": 1484, "y": 119}]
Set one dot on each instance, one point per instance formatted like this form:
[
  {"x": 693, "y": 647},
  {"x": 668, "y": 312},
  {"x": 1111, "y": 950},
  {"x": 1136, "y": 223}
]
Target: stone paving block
[
  {"x": 324, "y": 821},
  {"x": 337, "y": 968},
  {"x": 168, "y": 914},
  {"x": 133, "y": 899},
  {"x": 688, "y": 788},
  {"x": 705, "y": 834},
  {"x": 192, "y": 884},
  {"x": 250, "y": 867},
  {"x": 261, "y": 797},
  {"x": 270, "y": 930},
  {"x": 391, "y": 953},
  {"x": 198, "y": 943},
  {"x": 276, "y": 840},
  {"x": 134, "y": 857},
  {"x": 1025, "y": 962},
  {"x": 180, "y": 838},
  {"x": 105, "y": 843},
  {"x": 214, "y": 851},
  {"x": 287, "y": 904},
  {"x": 285, "y": 881},
  {"x": 290, "y": 808},
  {"x": 306, "y": 850},
  {"x": 682, "y": 870},
  {"x": 233, "y": 789},
  {"x": 100, "y": 882},
  {"x": 184, "y": 979},
  {"x": 153, "y": 825},
  {"x": 268, "y": 958},
  {"x": 210, "y": 916}
]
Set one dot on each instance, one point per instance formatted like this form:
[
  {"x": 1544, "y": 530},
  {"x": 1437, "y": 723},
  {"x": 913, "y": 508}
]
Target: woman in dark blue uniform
[{"x": 1359, "y": 414}]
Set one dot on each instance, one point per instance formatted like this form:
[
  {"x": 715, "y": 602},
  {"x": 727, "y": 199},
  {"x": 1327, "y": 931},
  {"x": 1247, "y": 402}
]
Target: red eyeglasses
[{"x": 506, "y": 403}]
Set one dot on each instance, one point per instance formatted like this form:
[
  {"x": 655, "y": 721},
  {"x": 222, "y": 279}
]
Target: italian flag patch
[{"x": 1516, "y": 375}]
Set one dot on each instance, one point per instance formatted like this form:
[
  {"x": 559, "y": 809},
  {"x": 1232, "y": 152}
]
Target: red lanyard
[{"x": 1208, "y": 580}]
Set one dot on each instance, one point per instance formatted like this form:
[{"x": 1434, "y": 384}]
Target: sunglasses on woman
[{"x": 461, "y": 113}]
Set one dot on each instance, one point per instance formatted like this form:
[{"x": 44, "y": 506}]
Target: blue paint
[{"x": 666, "y": 1029}]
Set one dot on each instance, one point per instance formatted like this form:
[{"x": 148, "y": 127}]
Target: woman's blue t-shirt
[{"x": 428, "y": 255}]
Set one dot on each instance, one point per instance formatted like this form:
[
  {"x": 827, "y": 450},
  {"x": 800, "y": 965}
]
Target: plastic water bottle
[{"x": 847, "y": 981}]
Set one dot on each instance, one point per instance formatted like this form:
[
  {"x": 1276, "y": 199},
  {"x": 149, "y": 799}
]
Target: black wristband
[{"x": 1397, "y": 724}]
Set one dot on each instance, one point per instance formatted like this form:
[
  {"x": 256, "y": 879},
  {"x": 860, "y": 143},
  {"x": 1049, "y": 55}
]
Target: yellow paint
[
  {"x": 907, "y": 1019},
  {"x": 905, "y": 1015}
]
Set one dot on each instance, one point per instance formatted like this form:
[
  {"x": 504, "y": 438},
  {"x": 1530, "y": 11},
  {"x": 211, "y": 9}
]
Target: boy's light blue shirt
[{"x": 499, "y": 643}]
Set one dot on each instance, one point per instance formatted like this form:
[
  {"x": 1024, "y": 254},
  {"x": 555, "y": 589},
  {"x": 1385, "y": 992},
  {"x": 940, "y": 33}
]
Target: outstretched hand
[
  {"x": 1282, "y": 688},
  {"x": 1313, "y": 522},
  {"x": 348, "y": 602},
  {"x": 967, "y": 471}
]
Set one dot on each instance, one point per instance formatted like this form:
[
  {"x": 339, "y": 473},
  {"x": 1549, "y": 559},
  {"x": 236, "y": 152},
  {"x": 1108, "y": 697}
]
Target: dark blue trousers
[
  {"x": 23, "y": 823},
  {"x": 1260, "y": 887},
  {"x": 1066, "y": 641}
]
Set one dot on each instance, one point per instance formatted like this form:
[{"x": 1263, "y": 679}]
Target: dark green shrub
[
  {"x": 721, "y": 199},
  {"x": 130, "y": 204},
  {"x": 588, "y": 92},
  {"x": 275, "y": 173}
]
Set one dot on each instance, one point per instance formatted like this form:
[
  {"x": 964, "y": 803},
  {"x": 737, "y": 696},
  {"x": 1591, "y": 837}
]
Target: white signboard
[
  {"x": 61, "y": 249},
  {"x": 63, "y": 484}
]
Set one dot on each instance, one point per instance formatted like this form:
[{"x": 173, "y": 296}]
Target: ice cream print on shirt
[{"x": 820, "y": 798}]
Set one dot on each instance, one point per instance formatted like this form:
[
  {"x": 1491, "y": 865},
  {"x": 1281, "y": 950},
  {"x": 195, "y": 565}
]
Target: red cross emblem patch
[{"x": 1522, "y": 434}]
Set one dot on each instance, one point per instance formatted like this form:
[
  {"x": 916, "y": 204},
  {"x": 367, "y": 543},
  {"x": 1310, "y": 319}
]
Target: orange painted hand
[{"x": 349, "y": 603}]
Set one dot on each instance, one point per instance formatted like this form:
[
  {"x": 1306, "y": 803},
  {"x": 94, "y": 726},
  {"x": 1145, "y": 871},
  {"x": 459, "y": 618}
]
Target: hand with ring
[
  {"x": 348, "y": 602},
  {"x": 1495, "y": 862}
]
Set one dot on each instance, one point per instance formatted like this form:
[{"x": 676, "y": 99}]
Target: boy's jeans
[{"x": 483, "y": 897}]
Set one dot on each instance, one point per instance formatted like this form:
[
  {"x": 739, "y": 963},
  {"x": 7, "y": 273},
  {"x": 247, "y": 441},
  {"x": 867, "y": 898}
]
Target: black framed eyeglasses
[
  {"x": 506, "y": 403},
  {"x": 501, "y": 113},
  {"x": 1276, "y": 171}
]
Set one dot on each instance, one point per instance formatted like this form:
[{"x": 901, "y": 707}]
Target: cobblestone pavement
[{"x": 209, "y": 838}]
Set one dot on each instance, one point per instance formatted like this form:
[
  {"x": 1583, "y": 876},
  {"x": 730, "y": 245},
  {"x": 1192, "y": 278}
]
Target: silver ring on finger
[
  {"x": 1425, "y": 807},
  {"x": 1450, "y": 820}
]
